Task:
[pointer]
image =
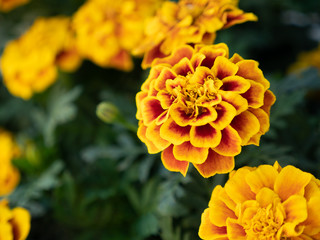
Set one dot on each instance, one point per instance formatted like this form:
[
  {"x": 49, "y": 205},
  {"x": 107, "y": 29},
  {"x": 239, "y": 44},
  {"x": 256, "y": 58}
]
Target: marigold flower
[
  {"x": 7, "y": 5},
  {"x": 29, "y": 64},
  {"x": 107, "y": 30},
  {"x": 15, "y": 223},
  {"x": 188, "y": 22},
  {"x": 9, "y": 175},
  {"x": 268, "y": 202},
  {"x": 198, "y": 106},
  {"x": 307, "y": 59}
]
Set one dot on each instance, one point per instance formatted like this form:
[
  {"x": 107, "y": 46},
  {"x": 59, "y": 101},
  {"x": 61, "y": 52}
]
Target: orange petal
[
  {"x": 235, "y": 231},
  {"x": 215, "y": 163},
  {"x": 174, "y": 133},
  {"x": 263, "y": 176},
  {"x": 237, "y": 16},
  {"x": 296, "y": 209},
  {"x": 236, "y": 58},
  {"x": 246, "y": 124},
  {"x": 313, "y": 221},
  {"x": 165, "y": 99},
  {"x": 139, "y": 97},
  {"x": 200, "y": 75},
  {"x": 185, "y": 51},
  {"x": 153, "y": 134},
  {"x": 249, "y": 69},
  {"x": 255, "y": 95},
  {"x": 225, "y": 114},
  {"x": 21, "y": 223},
  {"x": 219, "y": 211},
  {"x": 142, "y": 136},
  {"x": 269, "y": 99},
  {"x": 151, "y": 55},
  {"x": 154, "y": 73},
  {"x": 230, "y": 144},
  {"x": 291, "y": 181},
  {"x": 150, "y": 109},
  {"x": 235, "y": 84},
  {"x": 263, "y": 118},
  {"x": 197, "y": 59},
  {"x": 208, "y": 114},
  {"x": 162, "y": 118},
  {"x": 171, "y": 163},
  {"x": 209, "y": 231},
  {"x": 266, "y": 196},
  {"x": 183, "y": 67},
  {"x": 187, "y": 152},
  {"x": 122, "y": 60},
  {"x": 204, "y": 136},
  {"x": 237, "y": 187},
  {"x": 212, "y": 52},
  {"x": 223, "y": 68},
  {"x": 238, "y": 102},
  {"x": 160, "y": 82}
]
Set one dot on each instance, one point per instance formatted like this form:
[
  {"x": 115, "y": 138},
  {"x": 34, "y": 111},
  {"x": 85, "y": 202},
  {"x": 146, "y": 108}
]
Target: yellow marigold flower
[
  {"x": 307, "y": 59},
  {"x": 198, "y": 106},
  {"x": 7, "y": 5},
  {"x": 29, "y": 64},
  {"x": 9, "y": 175},
  {"x": 107, "y": 30},
  {"x": 15, "y": 223},
  {"x": 265, "y": 203},
  {"x": 188, "y": 22}
]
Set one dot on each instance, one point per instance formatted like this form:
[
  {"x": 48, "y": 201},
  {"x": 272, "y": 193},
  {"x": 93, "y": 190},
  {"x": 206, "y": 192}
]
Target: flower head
[
  {"x": 268, "y": 202},
  {"x": 186, "y": 22},
  {"x": 198, "y": 106},
  {"x": 9, "y": 175},
  {"x": 107, "y": 30},
  {"x": 29, "y": 64},
  {"x": 7, "y": 5},
  {"x": 15, "y": 223}
]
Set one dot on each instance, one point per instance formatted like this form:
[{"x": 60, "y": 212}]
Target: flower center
[
  {"x": 263, "y": 225},
  {"x": 197, "y": 97}
]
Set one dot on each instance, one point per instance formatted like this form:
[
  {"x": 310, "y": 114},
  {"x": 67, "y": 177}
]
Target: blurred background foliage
[{"x": 84, "y": 179}]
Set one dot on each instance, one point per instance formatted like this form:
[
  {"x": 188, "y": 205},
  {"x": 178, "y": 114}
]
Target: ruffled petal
[
  {"x": 313, "y": 221},
  {"x": 151, "y": 55},
  {"x": 174, "y": 133},
  {"x": 235, "y": 231},
  {"x": 212, "y": 52},
  {"x": 235, "y": 84},
  {"x": 171, "y": 163},
  {"x": 204, "y": 136},
  {"x": 223, "y": 68},
  {"x": 150, "y": 109},
  {"x": 269, "y": 100},
  {"x": 266, "y": 196},
  {"x": 249, "y": 69},
  {"x": 237, "y": 187},
  {"x": 187, "y": 152},
  {"x": 209, "y": 231},
  {"x": 165, "y": 99},
  {"x": 142, "y": 136},
  {"x": 263, "y": 176},
  {"x": 255, "y": 95},
  {"x": 246, "y": 124},
  {"x": 215, "y": 163},
  {"x": 139, "y": 97},
  {"x": 153, "y": 134},
  {"x": 291, "y": 181},
  {"x": 185, "y": 51},
  {"x": 160, "y": 81},
  {"x": 225, "y": 114},
  {"x": 236, "y": 100},
  {"x": 21, "y": 223},
  {"x": 219, "y": 211},
  {"x": 183, "y": 67},
  {"x": 230, "y": 144}
]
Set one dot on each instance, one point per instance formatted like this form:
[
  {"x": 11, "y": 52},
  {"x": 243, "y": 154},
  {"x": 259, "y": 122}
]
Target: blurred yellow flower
[
  {"x": 15, "y": 223},
  {"x": 188, "y": 22},
  {"x": 198, "y": 106},
  {"x": 7, "y": 5},
  {"x": 306, "y": 60},
  {"x": 264, "y": 203},
  {"x": 29, "y": 64},
  {"x": 107, "y": 30},
  {"x": 9, "y": 175}
]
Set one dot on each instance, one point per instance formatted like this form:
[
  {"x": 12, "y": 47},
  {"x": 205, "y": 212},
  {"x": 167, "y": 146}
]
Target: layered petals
[
  {"x": 196, "y": 101},
  {"x": 267, "y": 202}
]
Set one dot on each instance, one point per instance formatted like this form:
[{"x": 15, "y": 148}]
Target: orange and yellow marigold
[
  {"x": 29, "y": 64},
  {"x": 9, "y": 175},
  {"x": 108, "y": 30},
  {"x": 268, "y": 202},
  {"x": 199, "y": 106},
  {"x": 188, "y": 22},
  {"x": 15, "y": 223}
]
